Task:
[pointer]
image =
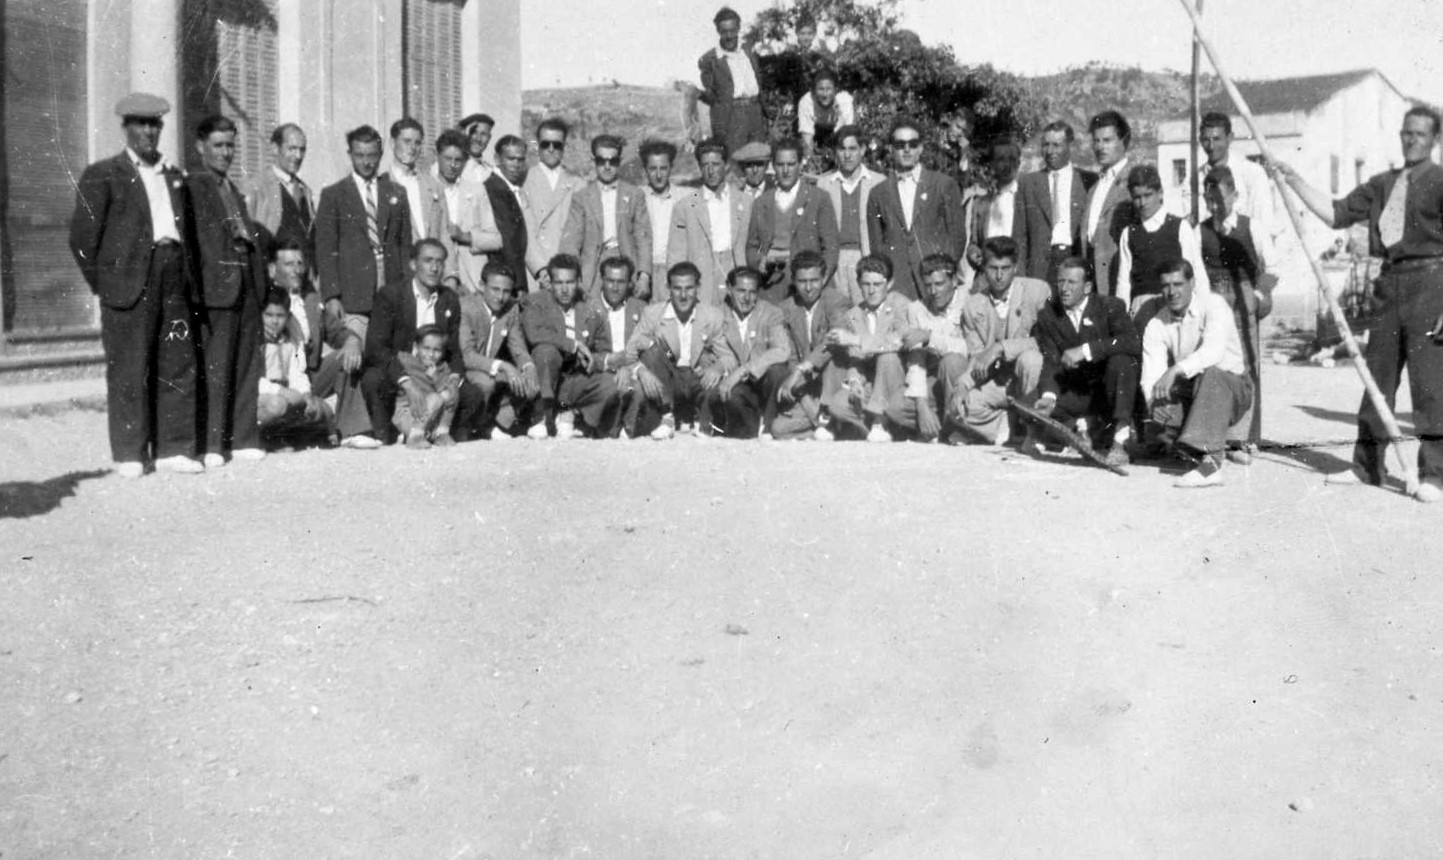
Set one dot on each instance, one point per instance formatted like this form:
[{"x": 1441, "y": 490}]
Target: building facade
[{"x": 328, "y": 65}]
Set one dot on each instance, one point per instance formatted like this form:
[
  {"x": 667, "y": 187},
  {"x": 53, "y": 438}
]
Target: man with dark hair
[
  {"x": 468, "y": 226},
  {"x": 1253, "y": 187},
  {"x": 657, "y": 158},
  {"x": 488, "y": 316},
  {"x": 915, "y": 212},
  {"x": 563, "y": 340},
  {"x": 821, "y": 111},
  {"x": 232, "y": 288},
  {"x": 934, "y": 350},
  {"x": 363, "y": 227},
  {"x": 1193, "y": 373},
  {"x": 1154, "y": 237},
  {"x": 994, "y": 213},
  {"x": 754, "y": 329},
  {"x": 1090, "y": 352},
  {"x": 789, "y": 217},
  {"x": 810, "y": 312},
  {"x": 423, "y": 191},
  {"x": 1051, "y": 207},
  {"x": 128, "y": 235},
  {"x": 622, "y": 311},
  {"x": 1109, "y": 208},
  {"x": 278, "y": 200},
  {"x": 997, "y": 322},
  {"x": 866, "y": 351},
  {"x": 608, "y": 219},
  {"x": 549, "y": 189},
  {"x": 477, "y": 128},
  {"x": 731, "y": 85},
  {"x": 709, "y": 226},
  {"x": 511, "y": 207},
  {"x": 682, "y": 352},
  {"x": 1403, "y": 208},
  {"x": 849, "y": 187}
]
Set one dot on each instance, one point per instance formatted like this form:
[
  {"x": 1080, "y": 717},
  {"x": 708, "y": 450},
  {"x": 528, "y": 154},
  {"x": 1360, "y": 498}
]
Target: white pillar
[{"x": 155, "y": 63}]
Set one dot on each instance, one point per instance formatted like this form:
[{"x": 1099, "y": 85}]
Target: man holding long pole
[{"x": 1404, "y": 212}]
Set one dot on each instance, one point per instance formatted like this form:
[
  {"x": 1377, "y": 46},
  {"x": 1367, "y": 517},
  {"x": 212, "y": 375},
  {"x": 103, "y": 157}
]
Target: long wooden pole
[
  {"x": 1192, "y": 157},
  {"x": 1375, "y": 396}
]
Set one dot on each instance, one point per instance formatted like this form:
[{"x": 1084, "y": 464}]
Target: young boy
[
  {"x": 1156, "y": 237},
  {"x": 286, "y": 404},
  {"x": 432, "y": 389}
]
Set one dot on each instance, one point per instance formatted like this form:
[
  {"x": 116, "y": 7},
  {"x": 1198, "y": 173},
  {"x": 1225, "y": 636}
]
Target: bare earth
[{"x": 715, "y": 650}]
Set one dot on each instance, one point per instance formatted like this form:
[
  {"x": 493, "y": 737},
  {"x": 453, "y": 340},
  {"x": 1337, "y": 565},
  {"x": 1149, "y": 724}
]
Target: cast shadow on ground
[
  {"x": 22, "y": 499},
  {"x": 1348, "y": 418}
]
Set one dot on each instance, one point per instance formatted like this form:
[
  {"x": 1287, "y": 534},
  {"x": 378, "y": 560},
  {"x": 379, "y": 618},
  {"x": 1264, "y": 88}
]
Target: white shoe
[
  {"x": 566, "y": 426},
  {"x": 878, "y": 433},
  {"x": 1431, "y": 490},
  {"x": 212, "y": 461},
  {"x": 822, "y": 434},
  {"x": 764, "y": 437},
  {"x": 130, "y": 469},
  {"x": 1195, "y": 480},
  {"x": 666, "y": 429},
  {"x": 179, "y": 465},
  {"x": 538, "y": 432},
  {"x": 361, "y": 442},
  {"x": 1003, "y": 434},
  {"x": 248, "y": 454}
]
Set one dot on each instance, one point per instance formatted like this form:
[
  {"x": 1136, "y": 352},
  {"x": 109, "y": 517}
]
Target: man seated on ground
[
  {"x": 399, "y": 311},
  {"x": 564, "y": 340},
  {"x": 286, "y": 407},
  {"x": 743, "y": 402},
  {"x": 487, "y": 319},
  {"x": 812, "y": 310},
  {"x": 934, "y": 348},
  {"x": 683, "y": 353},
  {"x": 1090, "y": 352},
  {"x": 432, "y": 389},
  {"x": 866, "y": 348},
  {"x": 997, "y": 322},
  {"x": 622, "y": 311},
  {"x": 1193, "y": 373}
]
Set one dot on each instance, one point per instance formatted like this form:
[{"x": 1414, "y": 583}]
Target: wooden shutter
[
  {"x": 246, "y": 74},
  {"x": 45, "y": 150},
  {"x": 432, "y": 59}
]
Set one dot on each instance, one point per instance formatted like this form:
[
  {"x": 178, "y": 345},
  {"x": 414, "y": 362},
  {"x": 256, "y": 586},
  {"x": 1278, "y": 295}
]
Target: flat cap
[
  {"x": 754, "y": 151},
  {"x": 142, "y": 105},
  {"x": 466, "y": 123}
]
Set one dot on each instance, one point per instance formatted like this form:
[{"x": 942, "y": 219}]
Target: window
[
  {"x": 246, "y": 74},
  {"x": 432, "y": 61}
]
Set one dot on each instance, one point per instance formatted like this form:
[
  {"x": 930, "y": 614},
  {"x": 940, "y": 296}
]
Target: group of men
[{"x": 489, "y": 300}]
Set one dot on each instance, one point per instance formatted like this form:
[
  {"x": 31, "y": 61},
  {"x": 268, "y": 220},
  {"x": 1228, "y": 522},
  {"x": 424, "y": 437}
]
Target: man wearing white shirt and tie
[
  {"x": 731, "y": 84},
  {"x": 1051, "y": 206},
  {"x": 279, "y": 200},
  {"x": 1109, "y": 208}
]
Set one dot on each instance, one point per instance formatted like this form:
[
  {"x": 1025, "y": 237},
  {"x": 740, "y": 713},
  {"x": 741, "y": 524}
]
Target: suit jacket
[
  {"x": 814, "y": 227},
  {"x": 691, "y": 232},
  {"x": 392, "y": 329},
  {"x": 1032, "y": 225},
  {"x": 222, "y": 260},
  {"x": 431, "y": 204},
  {"x": 808, "y": 344},
  {"x": 263, "y": 194},
  {"x": 541, "y": 320},
  {"x": 325, "y": 330},
  {"x": 832, "y": 184},
  {"x": 978, "y": 209},
  {"x": 982, "y": 328},
  {"x": 709, "y": 345},
  {"x": 110, "y": 232},
  {"x": 938, "y": 226},
  {"x": 767, "y": 342},
  {"x": 1101, "y": 247},
  {"x": 511, "y": 222},
  {"x": 717, "y": 86},
  {"x": 344, "y": 259},
  {"x": 893, "y": 321},
  {"x": 1106, "y": 329},
  {"x": 473, "y": 216},
  {"x": 549, "y": 211},
  {"x": 584, "y": 233},
  {"x": 634, "y": 308},
  {"x": 485, "y": 337}
]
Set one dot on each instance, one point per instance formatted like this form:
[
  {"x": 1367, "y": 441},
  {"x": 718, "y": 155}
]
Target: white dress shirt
[
  {"x": 785, "y": 199},
  {"x": 616, "y": 320},
  {"x": 608, "y": 214},
  {"x": 1059, "y": 190},
  {"x": 425, "y": 305},
  {"x": 744, "y": 325},
  {"x": 999, "y": 214},
  {"x": 744, "y": 80},
  {"x": 907, "y": 191},
  {"x": 683, "y": 335},
  {"x": 162, "y": 214},
  {"x": 659, "y": 207},
  {"x": 552, "y": 174},
  {"x": 1206, "y": 335},
  {"x": 807, "y": 112},
  {"x": 407, "y": 179},
  {"x": 1187, "y": 237},
  {"x": 719, "y": 212},
  {"x": 1100, "y": 191}
]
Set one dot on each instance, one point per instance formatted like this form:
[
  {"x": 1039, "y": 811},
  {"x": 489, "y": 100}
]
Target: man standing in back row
[{"x": 731, "y": 85}]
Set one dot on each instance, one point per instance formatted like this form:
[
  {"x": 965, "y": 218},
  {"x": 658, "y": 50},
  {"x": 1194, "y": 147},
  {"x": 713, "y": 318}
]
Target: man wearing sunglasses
[
  {"x": 914, "y": 213},
  {"x": 609, "y": 218},
  {"x": 549, "y": 188}
]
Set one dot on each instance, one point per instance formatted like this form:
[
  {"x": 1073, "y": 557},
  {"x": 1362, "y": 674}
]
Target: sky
[{"x": 651, "y": 42}]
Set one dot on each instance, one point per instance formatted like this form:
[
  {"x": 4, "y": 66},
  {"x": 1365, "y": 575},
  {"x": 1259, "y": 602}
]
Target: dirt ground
[{"x": 715, "y": 650}]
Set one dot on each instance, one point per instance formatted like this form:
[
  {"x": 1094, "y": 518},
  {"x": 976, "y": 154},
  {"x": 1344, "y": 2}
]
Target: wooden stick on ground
[{"x": 1375, "y": 396}]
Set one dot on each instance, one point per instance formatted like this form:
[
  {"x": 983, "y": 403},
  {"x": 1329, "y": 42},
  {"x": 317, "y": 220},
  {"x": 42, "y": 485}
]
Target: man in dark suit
[
  {"x": 1051, "y": 207},
  {"x": 915, "y": 212},
  {"x": 399, "y": 311},
  {"x": 1090, "y": 360},
  {"x": 731, "y": 84},
  {"x": 232, "y": 289},
  {"x": 1109, "y": 207},
  {"x": 789, "y": 217},
  {"x": 508, "y": 204},
  {"x": 127, "y": 237},
  {"x": 566, "y": 340},
  {"x": 608, "y": 219},
  {"x": 812, "y": 310}
]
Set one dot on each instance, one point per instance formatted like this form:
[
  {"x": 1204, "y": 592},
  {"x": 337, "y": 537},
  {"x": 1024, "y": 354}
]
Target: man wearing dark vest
[
  {"x": 279, "y": 200},
  {"x": 1153, "y": 238}
]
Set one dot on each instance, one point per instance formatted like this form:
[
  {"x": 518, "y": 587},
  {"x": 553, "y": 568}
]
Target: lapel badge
[
  {"x": 924, "y": 195},
  {"x": 392, "y": 200}
]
